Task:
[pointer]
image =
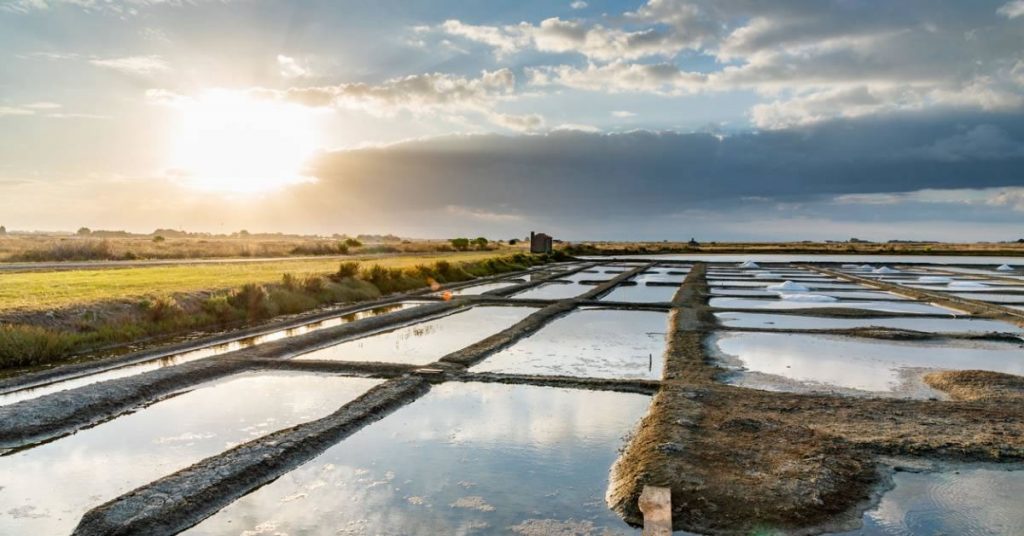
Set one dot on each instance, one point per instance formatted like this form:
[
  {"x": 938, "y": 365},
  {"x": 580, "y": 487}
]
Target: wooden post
[{"x": 656, "y": 504}]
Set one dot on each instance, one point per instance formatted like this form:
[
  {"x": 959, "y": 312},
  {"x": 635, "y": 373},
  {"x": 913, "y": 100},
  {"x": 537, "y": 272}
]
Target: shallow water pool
[
  {"x": 46, "y": 489},
  {"x": 464, "y": 459},
  {"x": 426, "y": 341},
  {"x": 931, "y": 325}
]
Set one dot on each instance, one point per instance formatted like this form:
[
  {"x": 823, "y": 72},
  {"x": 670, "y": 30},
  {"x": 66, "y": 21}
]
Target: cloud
[
  {"x": 1012, "y": 9},
  {"x": 429, "y": 94},
  {"x": 134, "y": 65},
  {"x": 623, "y": 114},
  {"x": 289, "y": 67},
  {"x": 10, "y": 110},
  {"x": 578, "y": 4},
  {"x": 118, "y": 7},
  {"x": 619, "y": 77}
]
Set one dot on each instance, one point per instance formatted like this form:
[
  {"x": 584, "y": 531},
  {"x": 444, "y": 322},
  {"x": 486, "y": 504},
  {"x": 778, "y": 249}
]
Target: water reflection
[
  {"x": 46, "y": 489},
  {"x": 596, "y": 343},
  {"x": 556, "y": 291},
  {"x": 199, "y": 353},
  {"x": 466, "y": 458},
  {"x": 853, "y": 363},
  {"x": 427, "y": 341},
  {"x": 641, "y": 293},
  {"x": 893, "y": 306},
  {"x": 931, "y": 325},
  {"x": 968, "y": 501}
]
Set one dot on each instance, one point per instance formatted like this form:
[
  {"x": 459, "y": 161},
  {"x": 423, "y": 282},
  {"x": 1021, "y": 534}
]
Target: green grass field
[{"x": 58, "y": 289}]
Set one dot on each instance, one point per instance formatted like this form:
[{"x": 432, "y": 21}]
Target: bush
[
  {"x": 353, "y": 243},
  {"x": 22, "y": 346},
  {"x": 161, "y": 309},
  {"x": 76, "y": 250},
  {"x": 351, "y": 290},
  {"x": 347, "y": 269},
  {"x": 460, "y": 244},
  {"x": 220, "y": 310},
  {"x": 288, "y": 302},
  {"x": 320, "y": 248},
  {"x": 253, "y": 301}
]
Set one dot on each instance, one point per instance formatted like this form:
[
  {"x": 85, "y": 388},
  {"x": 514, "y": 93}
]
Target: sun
[{"x": 231, "y": 142}]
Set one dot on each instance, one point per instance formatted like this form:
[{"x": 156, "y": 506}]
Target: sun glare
[{"x": 231, "y": 142}]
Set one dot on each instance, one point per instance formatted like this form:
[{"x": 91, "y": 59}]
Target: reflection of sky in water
[
  {"x": 596, "y": 343},
  {"x": 889, "y": 306},
  {"x": 990, "y": 297},
  {"x": 870, "y": 365},
  {"x": 840, "y": 294},
  {"x": 967, "y": 502},
  {"x": 200, "y": 353},
  {"x": 762, "y": 284},
  {"x": 428, "y": 341},
  {"x": 557, "y": 291},
  {"x": 934, "y": 325},
  {"x": 641, "y": 294},
  {"x": 478, "y": 289},
  {"x": 46, "y": 489},
  {"x": 465, "y": 459}
]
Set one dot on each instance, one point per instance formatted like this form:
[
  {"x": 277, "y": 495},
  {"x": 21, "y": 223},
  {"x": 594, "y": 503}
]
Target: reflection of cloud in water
[
  {"x": 969, "y": 501},
  {"x": 531, "y": 452},
  {"x": 100, "y": 463}
]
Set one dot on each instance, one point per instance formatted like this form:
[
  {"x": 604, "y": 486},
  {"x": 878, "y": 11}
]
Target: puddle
[
  {"x": 788, "y": 362},
  {"x": 199, "y": 353},
  {"x": 46, "y": 489},
  {"x": 641, "y": 293},
  {"x": 595, "y": 343},
  {"x": 930, "y": 325},
  {"x": 557, "y": 291},
  {"x": 478, "y": 289},
  {"x": 967, "y": 501},
  {"x": 427, "y": 341},
  {"x": 464, "y": 459},
  {"x": 894, "y": 306}
]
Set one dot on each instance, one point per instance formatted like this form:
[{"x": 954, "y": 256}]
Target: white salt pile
[
  {"x": 807, "y": 298},
  {"x": 749, "y": 265},
  {"x": 966, "y": 284},
  {"x": 866, "y": 268},
  {"x": 1005, "y": 268},
  {"x": 934, "y": 279},
  {"x": 885, "y": 270},
  {"x": 788, "y": 286}
]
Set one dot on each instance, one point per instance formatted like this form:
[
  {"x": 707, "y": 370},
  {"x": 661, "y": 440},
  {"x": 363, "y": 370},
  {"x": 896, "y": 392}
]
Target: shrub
[
  {"x": 22, "y": 346},
  {"x": 161, "y": 309},
  {"x": 353, "y": 243},
  {"x": 460, "y": 244},
  {"x": 313, "y": 284},
  {"x": 348, "y": 269},
  {"x": 287, "y": 302},
  {"x": 220, "y": 309},
  {"x": 253, "y": 301},
  {"x": 289, "y": 281},
  {"x": 351, "y": 290}
]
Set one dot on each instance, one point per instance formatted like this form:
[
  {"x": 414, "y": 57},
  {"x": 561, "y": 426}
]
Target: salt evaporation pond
[
  {"x": 199, "y": 353},
  {"x": 930, "y": 325},
  {"x": 465, "y": 459},
  {"x": 967, "y": 501},
  {"x": 992, "y": 297},
  {"x": 762, "y": 284},
  {"x": 892, "y": 306},
  {"x": 557, "y": 291},
  {"x": 427, "y": 341},
  {"x": 799, "y": 362},
  {"x": 594, "y": 343},
  {"x": 641, "y": 293},
  {"x": 47, "y": 489},
  {"x": 478, "y": 289}
]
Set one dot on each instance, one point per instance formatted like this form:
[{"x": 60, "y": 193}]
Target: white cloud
[
  {"x": 10, "y": 110},
  {"x": 1012, "y": 9},
  {"x": 623, "y": 114},
  {"x": 135, "y": 65},
  {"x": 290, "y": 68},
  {"x": 578, "y": 4},
  {"x": 617, "y": 77}
]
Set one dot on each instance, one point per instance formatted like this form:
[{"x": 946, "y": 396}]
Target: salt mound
[
  {"x": 884, "y": 270},
  {"x": 934, "y": 279},
  {"x": 766, "y": 275},
  {"x": 818, "y": 298},
  {"x": 866, "y": 268},
  {"x": 966, "y": 284},
  {"x": 1005, "y": 268},
  {"x": 789, "y": 286},
  {"x": 749, "y": 264}
]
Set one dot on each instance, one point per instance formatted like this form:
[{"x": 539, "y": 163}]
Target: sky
[{"x": 587, "y": 119}]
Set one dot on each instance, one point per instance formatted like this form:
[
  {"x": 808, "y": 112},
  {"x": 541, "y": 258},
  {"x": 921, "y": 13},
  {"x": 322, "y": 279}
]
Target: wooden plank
[{"x": 656, "y": 504}]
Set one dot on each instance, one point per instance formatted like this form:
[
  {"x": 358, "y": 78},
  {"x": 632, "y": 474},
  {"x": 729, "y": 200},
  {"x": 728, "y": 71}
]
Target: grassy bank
[
  {"x": 35, "y": 291},
  {"x": 23, "y": 345}
]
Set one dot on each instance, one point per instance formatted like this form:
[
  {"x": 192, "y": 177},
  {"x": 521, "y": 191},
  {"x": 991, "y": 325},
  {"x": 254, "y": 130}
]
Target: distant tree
[
  {"x": 84, "y": 231},
  {"x": 158, "y": 238},
  {"x": 480, "y": 242},
  {"x": 352, "y": 243},
  {"x": 3, "y": 230},
  {"x": 243, "y": 233},
  {"x": 513, "y": 241},
  {"x": 461, "y": 244}
]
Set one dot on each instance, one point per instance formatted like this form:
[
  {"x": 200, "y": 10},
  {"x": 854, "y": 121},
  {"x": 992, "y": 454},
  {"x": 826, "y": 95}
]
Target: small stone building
[{"x": 540, "y": 243}]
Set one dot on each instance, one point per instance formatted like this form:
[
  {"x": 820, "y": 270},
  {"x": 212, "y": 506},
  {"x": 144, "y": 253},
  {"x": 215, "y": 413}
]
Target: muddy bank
[
  {"x": 180, "y": 500},
  {"x": 978, "y": 385},
  {"x": 739, "y": 460},
  {"x": 643, "y": 387}
]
